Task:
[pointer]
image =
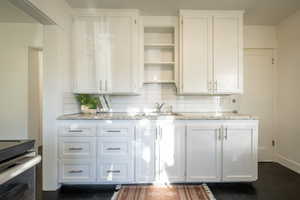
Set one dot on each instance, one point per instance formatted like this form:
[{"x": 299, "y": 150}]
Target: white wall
[
  {"x": 57, "y": 10},
  {"x": 11, "y": 14},
  {"x": 260, "y": 37},
  {"x": 15, "y": 39},
  {"x": 56, "y": 75},
  {"x": 55, "y": 64},
  {"x": 56, "y": 81},
  {"x": 288, "y": 134}
]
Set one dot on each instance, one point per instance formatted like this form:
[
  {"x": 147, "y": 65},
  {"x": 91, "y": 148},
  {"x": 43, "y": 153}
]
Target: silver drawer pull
[
  {"x": 75, "y": 131},
  {"x": 113, "y": 149},
  {"x": 75, "y": 149},
  {"x": 113, "y": 171},
  {"x": 113, "y": 131},
  {"x": 75, "y": 171}
]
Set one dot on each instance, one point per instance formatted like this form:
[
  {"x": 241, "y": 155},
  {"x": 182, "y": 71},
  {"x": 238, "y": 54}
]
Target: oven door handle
[{"x": 19, "y": 169}]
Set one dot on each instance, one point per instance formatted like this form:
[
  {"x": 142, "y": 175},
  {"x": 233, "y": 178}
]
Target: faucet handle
[
  {"x": 158, "y": 106},
  {"x": 171, "y": 109}
]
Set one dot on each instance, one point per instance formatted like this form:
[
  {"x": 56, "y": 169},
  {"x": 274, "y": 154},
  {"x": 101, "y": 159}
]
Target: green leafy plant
[{"x": 88, "y": 100}]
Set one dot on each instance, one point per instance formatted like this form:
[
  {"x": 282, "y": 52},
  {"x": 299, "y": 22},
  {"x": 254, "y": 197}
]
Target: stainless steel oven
[{"x": 17, "y": 177}]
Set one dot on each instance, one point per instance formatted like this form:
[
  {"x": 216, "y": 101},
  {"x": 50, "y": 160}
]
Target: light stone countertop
[{"x": 141, "y": 116}]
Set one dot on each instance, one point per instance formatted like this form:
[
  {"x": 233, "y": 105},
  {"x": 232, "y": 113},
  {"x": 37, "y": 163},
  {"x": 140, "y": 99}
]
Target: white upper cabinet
[
  {"x": 88, "y": 73},
  {"x": 105, "y": 52},
  {"x": 124, "y": 54},
  {"x": 211, "y": 52},
  {"x": 228, "y": 54},
  {"x": 195, "y": 54}
]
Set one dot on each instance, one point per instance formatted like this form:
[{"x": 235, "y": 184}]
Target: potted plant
[{"x": 88, "y": 103}]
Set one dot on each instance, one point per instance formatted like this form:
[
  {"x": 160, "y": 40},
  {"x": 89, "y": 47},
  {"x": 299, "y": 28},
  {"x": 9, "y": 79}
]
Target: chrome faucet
[{"x": 158, "y": 107}]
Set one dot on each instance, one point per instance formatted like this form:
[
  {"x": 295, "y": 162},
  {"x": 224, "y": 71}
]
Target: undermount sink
[{"x": 159, "y": 114}]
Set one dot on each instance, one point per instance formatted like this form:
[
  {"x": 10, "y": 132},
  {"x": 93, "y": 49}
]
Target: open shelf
[
  {"x": 158, "y": 63},
  {"x": 159, "y": 45},
  {"x": 159, "y": 35},
  {"x": 159, "y": 81},
  {"x": 159, "y": 55},
  {"x": 158, "y": 74}
]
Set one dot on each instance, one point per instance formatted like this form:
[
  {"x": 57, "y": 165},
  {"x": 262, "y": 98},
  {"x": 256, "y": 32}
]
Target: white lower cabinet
[
  {"x": 115, "y": 153},
  {"x": 160, "y": 154},
  {"x": 77, "y": 147},
  {"x": 203, "y": 153},
  {"x": 172, "y": 153},
  {"x": 115, "y": 148},
  {"x": 164, "y": 152},
  {"x": 77, "y": 170},
  {"x": 224, "y": 152},
  {"x": 239, "y": 152},
  {"x": 145, "y": 150},
  {"x": 115, "y": 171}
]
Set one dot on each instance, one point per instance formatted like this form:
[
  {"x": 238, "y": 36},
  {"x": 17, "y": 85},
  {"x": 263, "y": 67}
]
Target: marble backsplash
[{"x": 152, "y": 93}]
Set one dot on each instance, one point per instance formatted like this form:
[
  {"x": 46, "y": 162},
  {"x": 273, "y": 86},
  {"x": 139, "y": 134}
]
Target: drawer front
[
  {"x": 115, "y": 148},
  {"x": 77, "y": 130},
  {"x": 115, "y": 172},
  {"x": 115, "y": 131},
  {"x": 76, "y": 171},
  {"x": 77, "y": 148}
]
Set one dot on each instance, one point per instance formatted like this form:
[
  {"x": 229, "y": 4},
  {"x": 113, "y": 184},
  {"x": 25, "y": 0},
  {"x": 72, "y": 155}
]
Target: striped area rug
[{"x": 170, "y": 192}]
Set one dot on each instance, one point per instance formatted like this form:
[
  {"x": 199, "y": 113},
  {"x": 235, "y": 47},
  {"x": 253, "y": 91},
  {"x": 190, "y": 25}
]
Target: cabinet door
[
  {"x": 196, "y": 55},
  {"x": 145, "y": 154},
  {"x": 203, "y": 153},
  {"x": 239, "y": 153},
  {"x": 124, "y": 54},
  {"x": 87, "y": 72},
  {"x": 228, "y": 54},
  {"x": 172, "y": 153}
]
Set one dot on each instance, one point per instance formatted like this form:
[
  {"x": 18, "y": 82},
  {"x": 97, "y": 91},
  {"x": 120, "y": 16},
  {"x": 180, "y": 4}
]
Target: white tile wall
[
  {"x": 70, "y": 104},
  {"x": 152, "y": 93}
]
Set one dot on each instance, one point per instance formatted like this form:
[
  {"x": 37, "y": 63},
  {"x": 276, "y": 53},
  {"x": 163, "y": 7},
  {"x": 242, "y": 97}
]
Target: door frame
[{"x": 39, "y": 138}]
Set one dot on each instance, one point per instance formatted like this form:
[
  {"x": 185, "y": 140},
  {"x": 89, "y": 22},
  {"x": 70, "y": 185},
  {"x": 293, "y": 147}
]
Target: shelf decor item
[{"x": 88, "y": 103}]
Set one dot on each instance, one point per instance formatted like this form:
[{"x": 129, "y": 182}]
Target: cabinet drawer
[
  {"x": 115, "y": 172},
  {"x": 115, "y": 131},
  {"x": 115, "y": 147},
  {"x": 77, "y": 171},
  {"x": 79, "y": 148},
  {"x": 77, "y": 130}
]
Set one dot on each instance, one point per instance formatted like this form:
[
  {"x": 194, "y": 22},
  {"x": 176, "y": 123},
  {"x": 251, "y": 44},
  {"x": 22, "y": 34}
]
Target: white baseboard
[{"x": 293, "y": 165}]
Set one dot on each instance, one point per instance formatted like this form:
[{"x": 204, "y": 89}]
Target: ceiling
[
  {"x": 257, "y": 12},
  {"x": 11, "y": 14}
]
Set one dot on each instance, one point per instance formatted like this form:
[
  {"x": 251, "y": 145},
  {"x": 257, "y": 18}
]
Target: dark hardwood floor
[{"x": 275, "y": 183}]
